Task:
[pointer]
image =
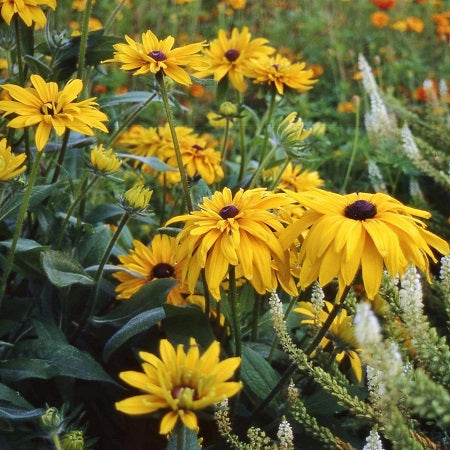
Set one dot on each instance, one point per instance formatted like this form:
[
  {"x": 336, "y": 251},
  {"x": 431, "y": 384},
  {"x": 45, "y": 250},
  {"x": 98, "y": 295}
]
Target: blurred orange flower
[
  {"x": 383, "y": 4},
  {"x": 379, "y": 19},
  {"x": 415, "y": 24}
]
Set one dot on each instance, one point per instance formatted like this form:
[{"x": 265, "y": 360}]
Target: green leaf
[
  {"x": 152, "y": 161},
  {"x": 67, "y": 360},
  {"x": 24, "y": 368},
  {"x": 102, "y": 212},
  {"x": 62, "y": 270},
  {"x": 142, "y": 322},
  {"x": 11, "y": 396},
  {"x": 37, "y": 66},
  {"x": 187, "y": 440},
  {"x": 199, "y": 191},
  {"x": 23, "y": 245},
  {"x": 257, "y": 374},
  {"x": 130, "y": 97},
  {"x": 19, "y": 414},
  {"x": 46, "y": 329},
  {"x": 151, "y": 296}
]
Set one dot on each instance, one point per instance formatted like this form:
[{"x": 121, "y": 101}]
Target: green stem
[
  {"x": 70, "y": 210},
  {"x": 206, "y": 294},
  {"x": 19, "y": 50},
  {"x": 242, "y": 140},
  {"x": 280, "y": 174},
  {"x": 225, "y": 144},
  {"x": 165, "y": 100},
  {"x": 93, "y": 298},
  {"x": 355, "y": 146},
  {"x": 112, "y": 16},
  {"x": 261, "y": 167},
  {"x": 181, "y": 436},
  {"x": 83, "y": 40},
  {"x": 266, "y": 128},
  {"x": 234, "y": 305},
  {"x": 127, "y": 120},
  {"x": 56, "y": 442},
  {"x": 255, "y": 318},
  {"x": 22, "y": 212},
  {"x": 61, "y": 155}
]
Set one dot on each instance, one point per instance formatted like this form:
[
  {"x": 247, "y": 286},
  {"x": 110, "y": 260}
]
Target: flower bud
[
  {"x": 51, "y": 420},
  {"x": 73, "y": 440},
  {"x": 318, "y": 129},
  {"x": 104, "y": 161},
  {"x": 136, "y": 199},
  {"x": 228, "y": 109}
]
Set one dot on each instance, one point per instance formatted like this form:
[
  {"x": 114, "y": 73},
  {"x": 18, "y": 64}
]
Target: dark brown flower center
[
  {"x": 232, "y": 54},
  {"x": 228, "y": 212},
  {"x": 177, "y": 390},
  {"x": 197, "y": 147},
  {"x": 48, "y": 109},
  {"x": 360, "y": 210},
  {"x": 158, "y": 55},
  {"x": 163, "y": 270},
  {"x": 275, "y": 66}
]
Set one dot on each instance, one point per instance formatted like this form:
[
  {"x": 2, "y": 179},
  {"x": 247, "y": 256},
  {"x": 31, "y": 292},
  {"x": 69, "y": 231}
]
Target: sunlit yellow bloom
[
  {"x": 93, "y": 25},
  {"x": 295, "y": 179},
  {"x": 281, "y": 72},
  {"x": 105, "y": 161},
  {"x": 154, "y": 55},
  {"x": 148, "y": 263},
  {"x": 28, "y": 10},
  {"x": 10, "y": 165},
  {"x": 216, "y": 120},
  {"x": 340, "y": 335},
  {"x": 230, "y": 56},
  {"x": 356, "y": 230},
  {"x": 137, "y": 198},
  {"x": 80, "y": 5},
  {"x": 237, "y": 4},
  {"x": 232, "y": 230},
  {"x": 47, "y": 107},
  {"x": 181, "y": 382}
]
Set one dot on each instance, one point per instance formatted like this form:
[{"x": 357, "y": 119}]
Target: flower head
[
  {"x": 158, "y": 56},
  {"x": 10, "y": 165},
  {"x": 296, "y": 179},
  {"x": 364, "y": 230},
  {"x": 136, "y": 199},
  {"x": 105, "y": 161},
  {"x": 144, "y": 264},
  {"x": 340, "y": 334},
  {"x": 28, "y": 10},
  {"x": 230, "y": 56},
  {"x": 181, "y": 382},
  {"x": 232, "y": 230},
  {"x": 48, "y": 108},
  {"x": 379, "y": 19},
  {"x": 383, "y": 4},
  {"x": 281, "y": 72}
]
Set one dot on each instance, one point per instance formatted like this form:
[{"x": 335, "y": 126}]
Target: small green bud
[
  {"x": 228, "y": 109},
  {"x": 318, "y": 129},
  {"x": 73, "y": 440},
  {"x": 51, "y": 420}
]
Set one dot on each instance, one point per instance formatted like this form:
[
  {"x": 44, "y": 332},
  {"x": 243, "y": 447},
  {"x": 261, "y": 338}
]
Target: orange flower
[
  {"x": 379, "y": 19},
  {"x": 414, "y": 24},
  {"x": 383, "y": 4},
  {"x": 346, "y": 107}
]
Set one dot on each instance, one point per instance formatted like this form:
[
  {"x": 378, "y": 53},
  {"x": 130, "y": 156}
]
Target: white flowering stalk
[
  {"x": 317, "y": 297},
  {"x": 285, "y": 436},
  {"x": 430, "y": 93},
  {"x": 373, "y": 441},
  {"x": 367, "y": 329},
  {"x": 369, "y": 83},
  {"x": 375, "y": 385},
  {"x": 415, "y": 191},
  {"x": 444, "y": 275},
  {"x": 410, "y": 296},
  {"x": 376, "y": 179},
  {"x": 443, "y": 91}
]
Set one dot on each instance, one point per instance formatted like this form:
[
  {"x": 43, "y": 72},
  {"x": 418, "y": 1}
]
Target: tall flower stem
[
  {"x": 93, "y": 298},
  {"x": 354, "y": 148},
  {"x": 255, "y": 318},
  {"x": 61, "y": 155},
  {"x": 56, "y": 442},
  {"x": 262, "y": 166},
  {"x": 242, "y": 141},
  {"x": 83, "y": 40},
  {"x": 19, "y": 50},
  {"x": 266, "y": 127},
  {"x": 18, "y": 228},
  {"x": 234, "y": 305},
  {"x": 223, "y": 152},
  {"x": 166, "y": 104},
  {"x": 112, "y": 16},
  {"x": 77, "y": 200},
  {"x": 339, "y": 304}
]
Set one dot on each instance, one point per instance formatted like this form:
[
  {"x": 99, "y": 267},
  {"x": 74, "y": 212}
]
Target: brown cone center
[{"x": 360, "y": 210}]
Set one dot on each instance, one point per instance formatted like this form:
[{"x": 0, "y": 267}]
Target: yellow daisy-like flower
[
  {"x": 280, "y": 72},
  {"x": 230, "y": 56},
  {"x": 341, "y": 333},
  {"x": 154, "y": 56},
  {"x": 47, "y": 107},
  {"x": 294, "y": 178},
  {"x": 105, "y": 161},
  {"x": 182, "y": 382},
  {"x": 136, "y": 199},
  {"x": 356, "y": 230},
  {"x": 10, "y": 165},
  {"x": 148, "y": 263},
  {"x": 232, "y": 230},
  {"x": 28, "y": 10}
]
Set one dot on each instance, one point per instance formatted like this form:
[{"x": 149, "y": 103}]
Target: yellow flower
[
  {"x": 104, "y": 161},
  {"x": 356, "y": 230},
  {"x": 232, "y": 230},
  {"x": 148, "y": 263},
  {"x": 154, "y": 56},
  {"x": 340, "y": 334},
  {"x": 47, "y": 107},
  {"x": 29, "y": 11},
  {"x": 136, "y": 199},
  {"x": 216, "y": 120},
  {"x": 80, "y": 5},
  {"x": 291, "y": 130},
  {"x": 280, "y": 72},
  {"x": 231, "y": 56},
  {"x": 295, "y": 179},
  {"x": 181, "y": 382},
  {"x": 10, "y": 164}
]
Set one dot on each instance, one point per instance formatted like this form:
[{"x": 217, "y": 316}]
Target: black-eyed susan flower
[
  {"x": 180, "y": 382},
  {"x": 359, "y": 230},
  {"x": 237, "y": 230},
  {"x": 104, "y": 161},
  {"x": 155, "y": 56},
  {"x": 48, "y": 108},
  {"x": 280, "y": 72},
  {"x": 28, "y": 10},
  {"x": 340, "y": 335},
  {"x": 230, "y": 56},
  {"x": 10, "y": 165},
  {"x": 147, "y": 263},
  {"x": 294, "y": 178}
]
